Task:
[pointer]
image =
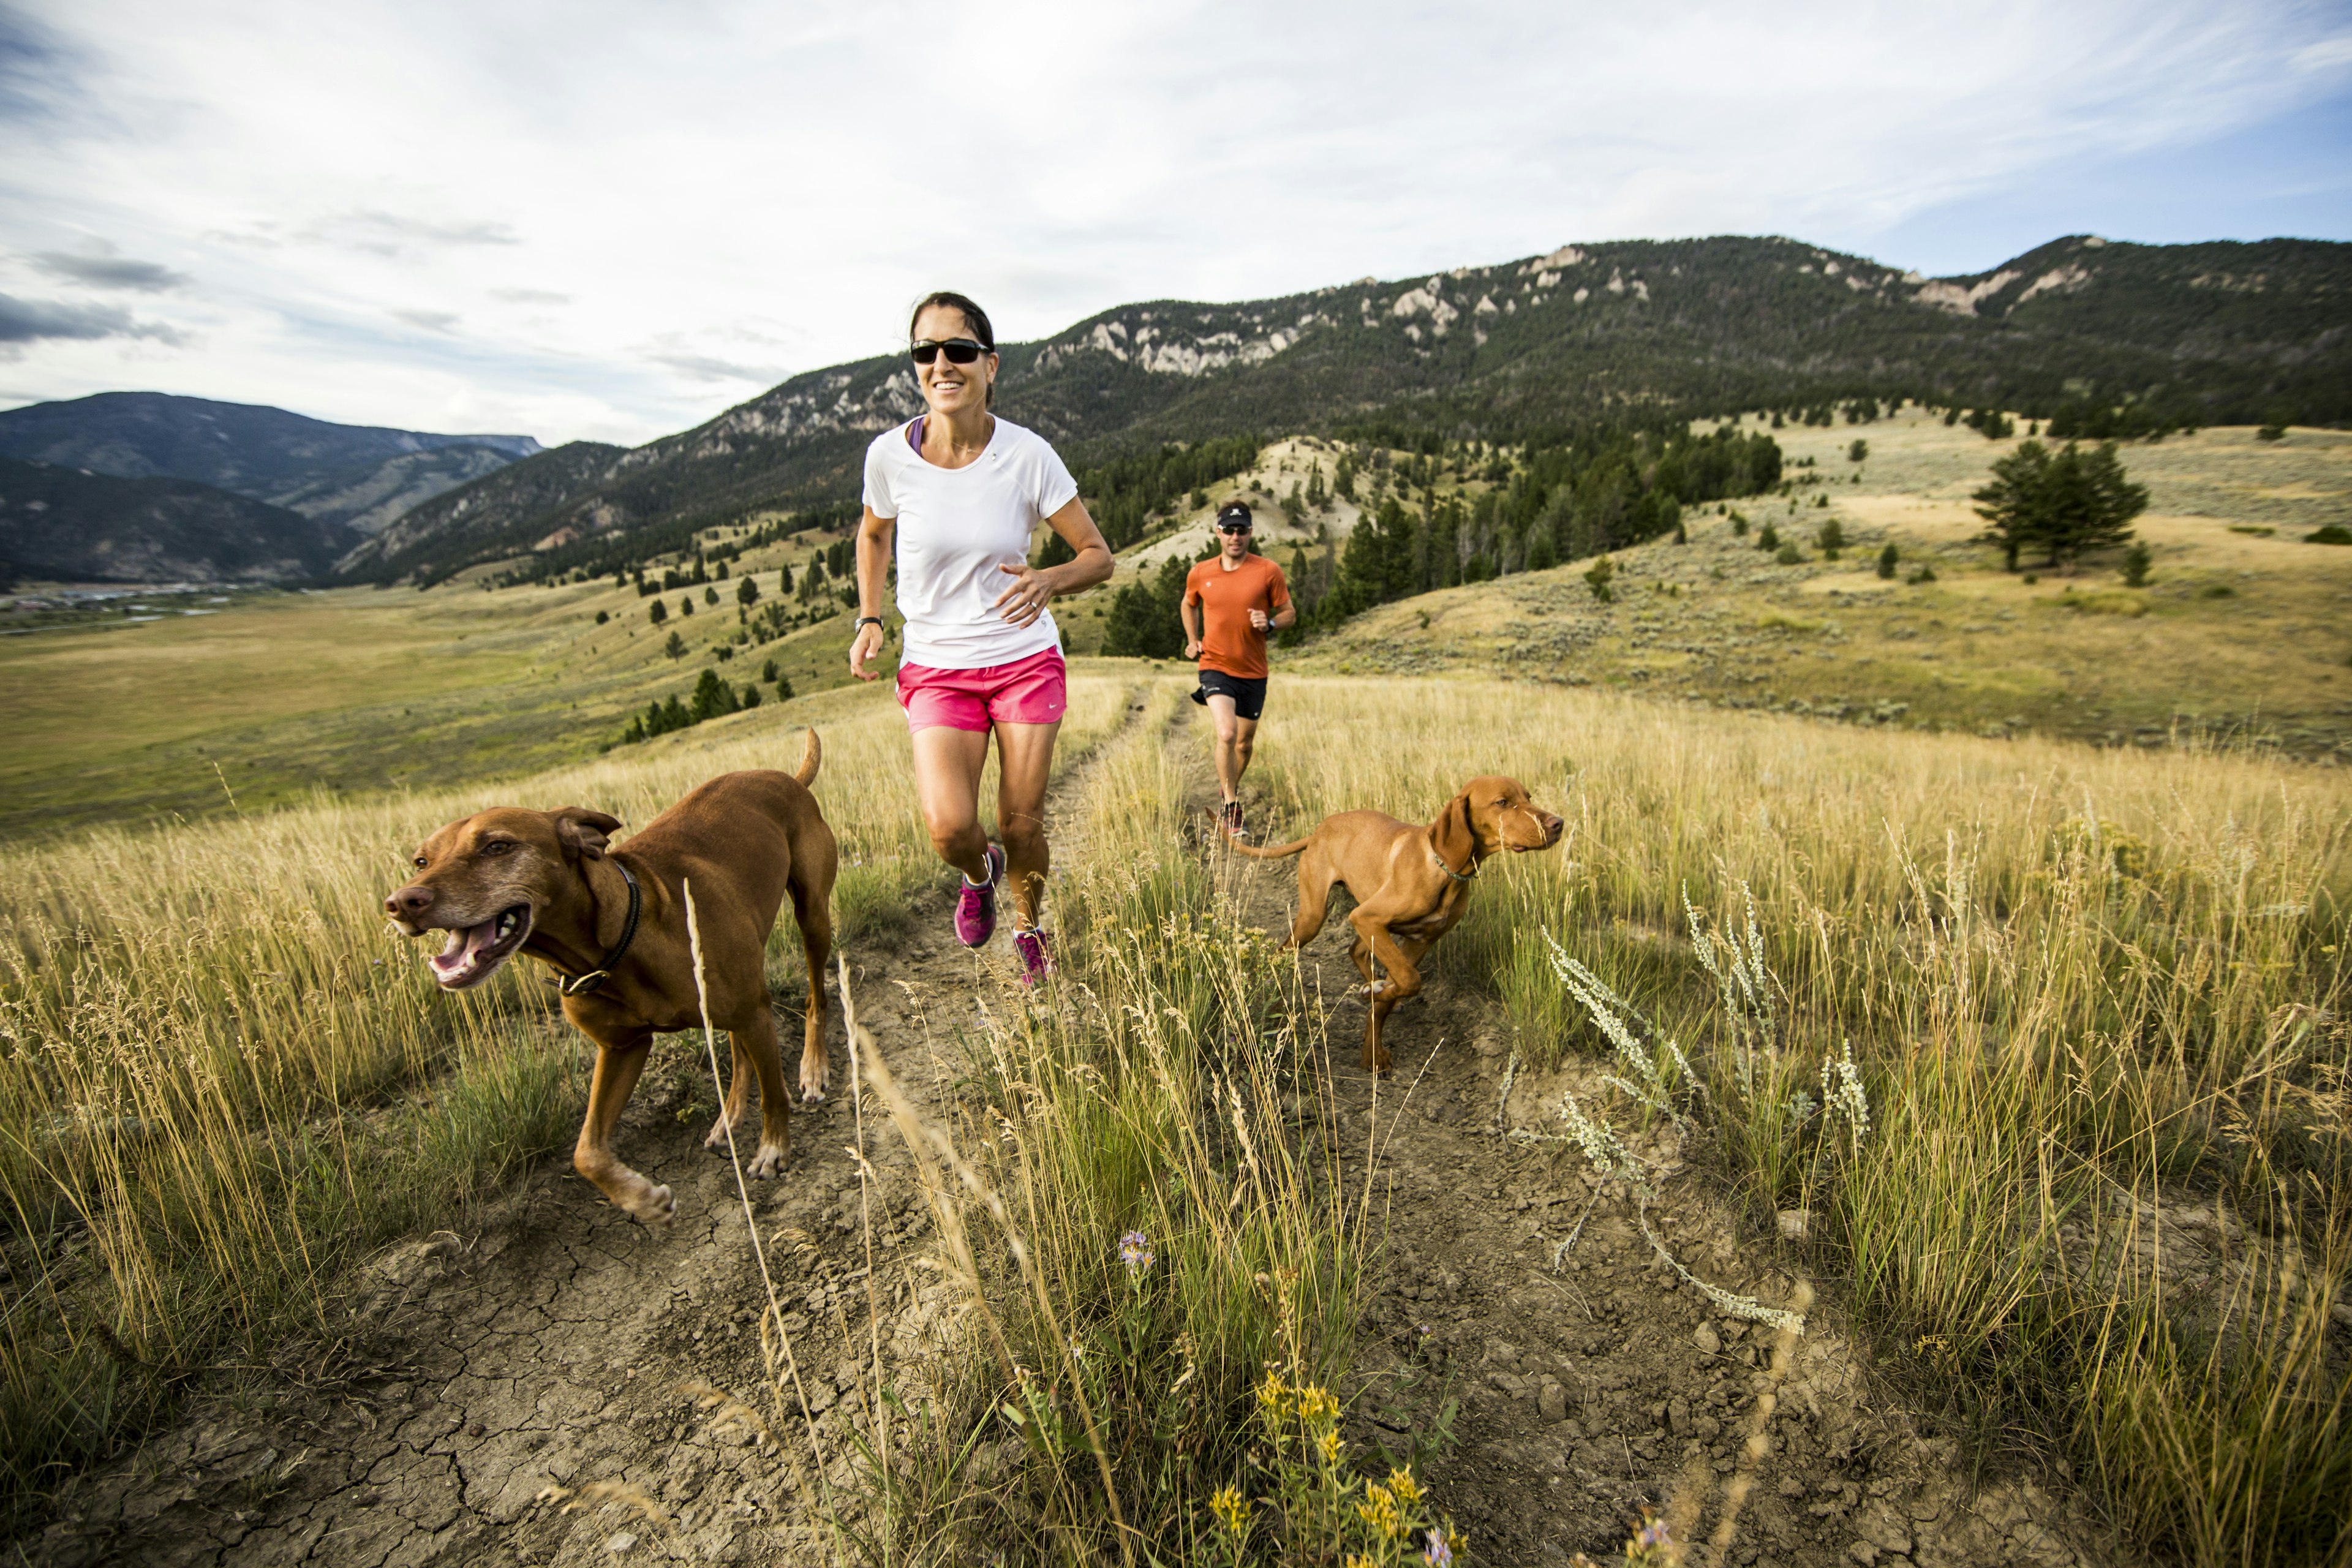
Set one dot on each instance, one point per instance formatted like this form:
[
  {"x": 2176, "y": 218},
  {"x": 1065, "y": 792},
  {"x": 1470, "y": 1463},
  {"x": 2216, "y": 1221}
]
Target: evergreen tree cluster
[
  {"x": 2064, "y": 503},
  {"x": 711, "y": 698},
  {"x": 2132, "y": 422},
  {"x": 1124, "y": 494},
  {"x": 1146, "y": 618},
  {"x": 1577, "y": 495}
]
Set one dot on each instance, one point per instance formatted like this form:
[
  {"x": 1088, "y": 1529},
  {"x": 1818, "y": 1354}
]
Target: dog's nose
[
  {"x": 1552, "y": 825},
  {"x": 409, "y": 902}
]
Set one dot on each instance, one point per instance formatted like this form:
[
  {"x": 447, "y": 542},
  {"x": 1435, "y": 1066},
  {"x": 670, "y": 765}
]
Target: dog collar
[
  {"x": 1457, "y": 875},
  {"x": 583, "y": 984}
]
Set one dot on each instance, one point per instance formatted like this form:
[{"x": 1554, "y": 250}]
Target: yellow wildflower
[
  {"x": 1314, "y": 1400},
  {"x": 1379, "y": 1510},
  {"x": 1228, "y": 1506},
  {"x": 1273, "y": 1393},
  {"x": 1407, "y": 1489},
  {"x": 1330, "y": 1445}
]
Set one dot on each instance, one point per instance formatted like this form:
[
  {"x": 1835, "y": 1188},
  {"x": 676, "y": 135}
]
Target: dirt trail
[
  {"x": 506, "y": 1392},
  {"x": 520, "y": 1393},
  {"x": 1590, "y": 1390}
]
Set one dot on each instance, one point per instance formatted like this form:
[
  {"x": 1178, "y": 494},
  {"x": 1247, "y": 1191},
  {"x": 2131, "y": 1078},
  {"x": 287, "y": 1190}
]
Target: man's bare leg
[{"x": 1235, "y": 738}]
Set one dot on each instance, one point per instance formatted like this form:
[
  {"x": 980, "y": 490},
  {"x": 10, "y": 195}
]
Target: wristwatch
[{"x": 864, "y": 621}]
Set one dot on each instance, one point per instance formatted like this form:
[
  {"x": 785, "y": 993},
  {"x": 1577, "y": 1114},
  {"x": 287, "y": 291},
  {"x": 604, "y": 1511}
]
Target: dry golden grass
[
  {"x": 220, "y": 1075},
  {"x": 2098, "y": 999}
]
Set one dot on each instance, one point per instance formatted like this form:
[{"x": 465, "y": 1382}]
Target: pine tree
[
  {"x": 1886, "y": 562},
  {"x": 713, "y": 697},
  {"x": 657, "y": 612},
  {"x": 1599, "y": 578},
  {"x": 2063, "y": 504},
  {"x": 676, "y": 647},
  {"x": 747, "y": 592}
]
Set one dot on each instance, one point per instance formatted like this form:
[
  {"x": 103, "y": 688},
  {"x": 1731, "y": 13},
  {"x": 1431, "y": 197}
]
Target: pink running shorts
[{"x": 1032, "y": 690}]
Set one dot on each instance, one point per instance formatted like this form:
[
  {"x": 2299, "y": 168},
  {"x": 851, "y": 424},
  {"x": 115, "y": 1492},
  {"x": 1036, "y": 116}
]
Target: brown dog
[
  {"x": 507, "y": 881},
  {"x": 1411, "y": 884}
]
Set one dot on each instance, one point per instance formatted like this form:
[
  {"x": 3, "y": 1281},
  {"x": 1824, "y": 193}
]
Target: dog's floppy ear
[
  {"x": 582, "y": 832},
  {"x": 1457, "y": 837}
]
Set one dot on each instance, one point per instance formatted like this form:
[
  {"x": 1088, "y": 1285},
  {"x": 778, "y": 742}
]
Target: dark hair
[{"x": 973, "y": 317}]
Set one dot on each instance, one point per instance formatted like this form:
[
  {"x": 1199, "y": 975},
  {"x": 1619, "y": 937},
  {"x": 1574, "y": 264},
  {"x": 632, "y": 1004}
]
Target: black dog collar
[{"x": 595, "y": 977}]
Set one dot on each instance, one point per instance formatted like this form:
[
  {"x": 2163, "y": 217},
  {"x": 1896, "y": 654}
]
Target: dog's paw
[
  {"x": 768, "y": 1162},
  {"x": 812, "y": 1091},
  {"x": 655, "y": 1207},
  {"x": 718, "y": 1137}
]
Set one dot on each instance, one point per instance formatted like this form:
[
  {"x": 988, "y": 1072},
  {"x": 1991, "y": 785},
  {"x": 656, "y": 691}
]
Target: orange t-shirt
[{"x": 1228, "y": 641}]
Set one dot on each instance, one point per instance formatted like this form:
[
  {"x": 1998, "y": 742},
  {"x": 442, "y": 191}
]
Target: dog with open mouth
[
  {"x": 611, "y": 921},
  {"x": 1411, "y": 882}
]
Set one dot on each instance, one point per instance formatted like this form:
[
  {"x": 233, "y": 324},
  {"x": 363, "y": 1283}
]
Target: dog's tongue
[{"x": 464, "y": 945}]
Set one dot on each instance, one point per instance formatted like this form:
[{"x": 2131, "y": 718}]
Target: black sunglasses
[
  {"x": 959, "y": 351},
  {"x": 1232, "y": 525}
]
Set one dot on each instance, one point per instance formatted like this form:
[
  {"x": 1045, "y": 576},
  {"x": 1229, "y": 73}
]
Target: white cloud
[{"x": 744, "y": 186}]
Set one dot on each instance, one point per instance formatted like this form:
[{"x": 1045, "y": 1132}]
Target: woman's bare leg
[
  {"x": 1024, "y": 764},
  {"x": 948, "y": 763}
]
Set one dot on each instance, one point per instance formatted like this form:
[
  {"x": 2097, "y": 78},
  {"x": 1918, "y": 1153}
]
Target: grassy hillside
[
  {"x": 2241, "y": 630},
  {"x": 2206, "y": 334}
]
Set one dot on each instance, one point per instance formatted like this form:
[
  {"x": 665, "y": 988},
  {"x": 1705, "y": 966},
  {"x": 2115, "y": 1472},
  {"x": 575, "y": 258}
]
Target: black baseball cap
[{"x": 1234, "y": 517}]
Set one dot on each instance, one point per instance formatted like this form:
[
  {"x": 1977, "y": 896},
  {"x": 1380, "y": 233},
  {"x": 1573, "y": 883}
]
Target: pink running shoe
[
  {"x": 1036, "y": 956},
  {"x": 975, "y": 913}
]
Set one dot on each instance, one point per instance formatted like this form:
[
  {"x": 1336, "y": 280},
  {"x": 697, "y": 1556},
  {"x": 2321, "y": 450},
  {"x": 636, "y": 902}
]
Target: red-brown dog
[
  {"x": 1411, "y": 883},
  {"x": 612, "y": 921}
]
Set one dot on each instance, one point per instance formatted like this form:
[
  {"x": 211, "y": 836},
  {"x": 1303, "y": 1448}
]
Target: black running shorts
[{"x": 1249, "y": 696}]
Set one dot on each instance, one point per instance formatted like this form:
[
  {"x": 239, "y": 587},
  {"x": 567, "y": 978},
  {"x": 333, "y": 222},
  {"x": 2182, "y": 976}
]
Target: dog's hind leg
[
  {"x": 814, "y": 908},
  {"x": 756, "y": 1042},
  {"x": 619, "y": 1061},
  {"x": 1315, "y": 884}
]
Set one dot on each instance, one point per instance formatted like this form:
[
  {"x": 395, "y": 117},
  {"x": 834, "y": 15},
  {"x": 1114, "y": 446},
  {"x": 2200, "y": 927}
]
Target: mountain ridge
[
  {"x": 2217, "y": 332},
  {"x": 341, "y": 473}
]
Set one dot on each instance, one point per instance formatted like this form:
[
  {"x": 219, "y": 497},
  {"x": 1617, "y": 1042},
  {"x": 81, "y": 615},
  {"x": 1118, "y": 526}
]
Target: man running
[{"x": 1231, "y": 601}]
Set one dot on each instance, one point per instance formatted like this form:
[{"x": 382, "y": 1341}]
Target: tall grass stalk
[{"x": 2097, "y": 1002}]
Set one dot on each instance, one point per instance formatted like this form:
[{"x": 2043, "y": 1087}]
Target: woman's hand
[
  {"x": 1032, "y": 591},
  {"x": 865, "y": 645}
]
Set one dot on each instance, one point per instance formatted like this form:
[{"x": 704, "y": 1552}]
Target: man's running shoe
[
  {"x": 1036, "y": 956},
  {"x": 1229, "y": 819},
  {"x": 975, "y": 913}
]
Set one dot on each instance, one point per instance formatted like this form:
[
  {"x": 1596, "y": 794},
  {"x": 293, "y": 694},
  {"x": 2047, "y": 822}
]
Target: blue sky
[{"x": 606, "y": 219}]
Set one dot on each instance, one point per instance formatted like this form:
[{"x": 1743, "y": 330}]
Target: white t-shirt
[{"x": 956, "y": 526}]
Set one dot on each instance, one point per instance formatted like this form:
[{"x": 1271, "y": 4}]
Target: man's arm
[{"x": 1190, "y": 609}]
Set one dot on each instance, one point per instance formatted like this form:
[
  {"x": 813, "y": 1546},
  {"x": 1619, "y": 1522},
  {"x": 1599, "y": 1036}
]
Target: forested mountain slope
[
  {"x": 357, "y": 474},
  {"x": 60, "y": 522},
  {"x": 2214, "y": 332}
]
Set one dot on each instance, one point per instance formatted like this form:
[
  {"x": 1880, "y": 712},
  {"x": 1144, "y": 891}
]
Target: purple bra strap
[{"x": 915, "y": 431}]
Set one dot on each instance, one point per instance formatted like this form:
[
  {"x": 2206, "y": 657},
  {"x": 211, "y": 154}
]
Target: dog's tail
[
  {"x": 811, "y": 756},
  {"x": 1273, "y": 851}
]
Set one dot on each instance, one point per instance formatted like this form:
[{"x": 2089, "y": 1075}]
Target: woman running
[{"x": 958, "y": 492}]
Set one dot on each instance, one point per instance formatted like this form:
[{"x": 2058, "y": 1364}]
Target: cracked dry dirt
[{"x": 508, "y": 1391}]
